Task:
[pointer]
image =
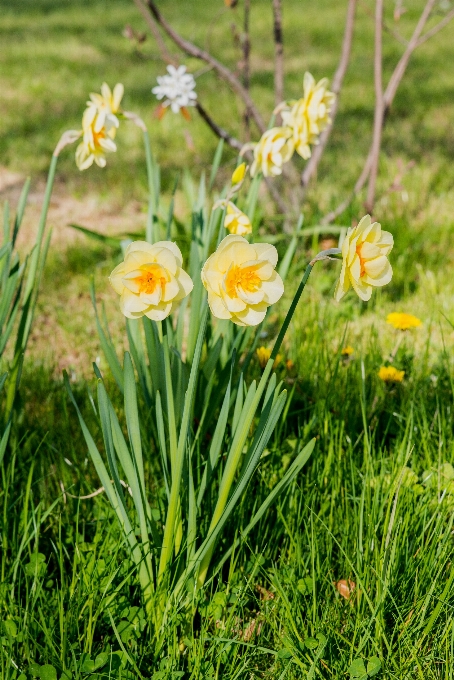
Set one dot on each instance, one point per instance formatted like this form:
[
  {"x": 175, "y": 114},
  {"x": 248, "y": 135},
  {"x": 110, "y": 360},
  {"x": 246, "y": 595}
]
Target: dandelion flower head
[
  {"x": 402, "y": 321},
  {"x": 390, "y": 374}
]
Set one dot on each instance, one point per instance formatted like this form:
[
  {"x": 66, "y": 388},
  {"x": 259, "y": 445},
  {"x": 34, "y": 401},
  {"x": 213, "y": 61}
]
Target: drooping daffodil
[
  {"x": 106, "y": 105},
  {"x": 275, "y": 148},
  {"x": 97, "y": 140},
  {"x": 365, "y": 263},
  {"x": 150, "y": 280},
  {"x": 241, "y": 280}
]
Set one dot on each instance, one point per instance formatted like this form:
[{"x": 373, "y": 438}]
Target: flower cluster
[
  {"x": 99, "y": 127},
  {"x": 176, "y": 88},
  {"x": 239, "y": 277},
  {"x": 303, "y": 121}
]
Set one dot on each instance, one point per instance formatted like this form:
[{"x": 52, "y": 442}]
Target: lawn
[{"x": 352, "y": 567}]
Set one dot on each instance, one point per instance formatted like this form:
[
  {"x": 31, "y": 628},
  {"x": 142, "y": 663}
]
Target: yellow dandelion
[
  {"x": 347, "y": 351},
  {"x": 390, "y": 374},
  {"x": 402, "y": 321}
]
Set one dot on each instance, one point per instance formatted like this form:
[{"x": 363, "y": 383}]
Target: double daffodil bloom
[
  {"x": 96, "y": 141},
  {"x": 106, "y": 105},
  {"x": 236, "y": 221},
  {"x": 310, "y": 115},
  {"x": 365, "y": 263},
  {"x": 151, "y": 280},
  {"x": 241, "y": 281},
  {"x": 275, "y": 148}
]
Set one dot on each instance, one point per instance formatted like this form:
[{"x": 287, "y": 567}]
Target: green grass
[{"x": 375, "y": 503}]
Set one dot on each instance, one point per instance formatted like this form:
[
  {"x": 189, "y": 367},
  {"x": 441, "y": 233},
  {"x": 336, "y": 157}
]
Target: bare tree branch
[
  {"x": 360, "y": 182},
  {"x": 401, "y": 67},
  {"x": 278, "y": 53},
  {"x": 218, "y": 130},
  {"x": 165, "y": 54},
  {"x": 312, "y": 164},
  {"x": 222, "y": 70},
  {"x": 246, "y": 60},
  {"x": 386, "y": 27},
  {"x": 388, "y": 98},
  {"x": 436, "y": 28},
  {"x": 379, "y": 106}
]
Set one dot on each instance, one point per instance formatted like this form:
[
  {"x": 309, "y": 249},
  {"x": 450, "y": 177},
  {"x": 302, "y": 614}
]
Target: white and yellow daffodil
[
  {"x": 310, "y": 115},
  {"x": 365, "y": 263},
  {"x": 275, "y": 148},
  {"x": 96, "y": 141},
  {"x": 150, "y": 280},
  {"x": 106, "y": 105},
  {"x": 241, "y": 280}
]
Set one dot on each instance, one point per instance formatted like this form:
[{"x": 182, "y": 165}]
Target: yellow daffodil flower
[
  {"x": 150, "y": 280},
  {"x": 236, "y": 221},
  {"x": 241, "y": 281},
  {"x": 365, "y": 263},
  {"x": 106, "y": 105},
  {"x": 239, "y": 174},
  {"x": 390, "y": 374},
  {"x": 310, "y": 115},
  {"x": 402, "y": 321},
  {"x": 275, "y": 148}
]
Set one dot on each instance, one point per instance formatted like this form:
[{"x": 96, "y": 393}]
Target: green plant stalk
[
  {"x": 149, "y": 233},
  {"x": 31, "y": 292},
  {"x": 242, "y": 433},
  {"x": 34, "y": 258},
  {"x": 177, "y": 472}
]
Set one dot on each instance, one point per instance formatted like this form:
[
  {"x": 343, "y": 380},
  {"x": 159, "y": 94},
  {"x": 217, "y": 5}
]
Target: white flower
[{"x": 176, "y": 88}]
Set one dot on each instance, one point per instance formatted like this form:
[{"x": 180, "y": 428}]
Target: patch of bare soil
[{"x": 64, "y": 333}]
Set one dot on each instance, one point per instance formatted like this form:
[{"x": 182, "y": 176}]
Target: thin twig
[
  {"x": 338, "y": 80},
  {"x": 165, "y": 54},
  {"x": 278, "y": 53},
  {"x": 400, "y": 69},
  {"x": 218, "y": 130},
  {"x": 436, "y": 28},
  {"x": 222, "y": 70},
  {"x": 387, "y": 27},
  {"x": 246, "y": 61},
  {"x": 388, "y": 98},
  {"x": 237, "y": 145},
  {"x": 379, "y": 106}
]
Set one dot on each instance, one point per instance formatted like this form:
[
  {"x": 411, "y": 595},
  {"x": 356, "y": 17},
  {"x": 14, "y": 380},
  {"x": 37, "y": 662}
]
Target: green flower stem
[
  {"x": 31, "y": 289},
  {"x": 150, "y": 215},
  {"x": 177, "y": 469},
  {"x": 35, "y": 256},
  {"x": 242, "y": 433},
  {"x": 170, "y": 402}
]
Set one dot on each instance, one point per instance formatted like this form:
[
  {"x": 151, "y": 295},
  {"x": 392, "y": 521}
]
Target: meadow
[{"x": 350, "y": 572}]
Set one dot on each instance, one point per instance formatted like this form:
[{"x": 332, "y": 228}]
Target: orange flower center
[
  {"x": 150, "y": 279},
  {"x": 361, "y": 259},
  {"x": 246, "y": 277},
  {"x": 97, "y": 136}
]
